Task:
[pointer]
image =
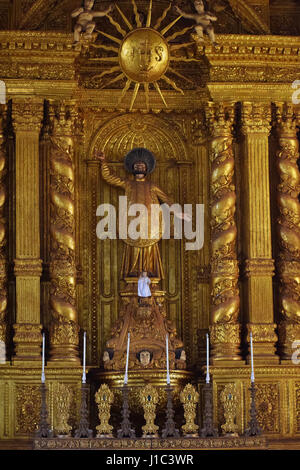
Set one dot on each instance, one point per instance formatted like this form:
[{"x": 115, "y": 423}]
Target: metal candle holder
[
  {"x": 253, "y": 426},
  {"x": 125, "y": 429},
  {"x": 83, "y": 430},
  {"x": 208, "y": 429},
  {"x": 44, "y": 429},
  {"x": 170, "y": 429}
]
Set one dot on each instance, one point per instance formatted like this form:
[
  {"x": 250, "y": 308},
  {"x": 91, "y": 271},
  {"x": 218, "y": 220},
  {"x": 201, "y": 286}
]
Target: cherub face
[
  {"x": 145, "y": 357},
  {"x": 89, "y": 4},
  {"x": 183, "y": 355},
  {"x": 105, "y": 356},
  {"x": 199, "y": 6}
]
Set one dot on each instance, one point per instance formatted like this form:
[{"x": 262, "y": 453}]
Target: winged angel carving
[{"x": 204, "y": 18}]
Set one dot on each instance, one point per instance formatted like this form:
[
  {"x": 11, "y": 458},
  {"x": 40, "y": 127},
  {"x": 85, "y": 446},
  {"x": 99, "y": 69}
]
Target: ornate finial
[
  {"x": 229, "y": 400},
  {"x": 104, "y": 398},
  {"x": 189, "y": 397},
  {"x": 62, "y": 403},
  {"x": 149, "y": 400}
]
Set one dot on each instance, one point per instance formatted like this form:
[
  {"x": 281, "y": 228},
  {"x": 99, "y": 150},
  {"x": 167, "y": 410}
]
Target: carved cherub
[
  {"x": 203, "y": 19},
  {"x": 85, "y": 23}
]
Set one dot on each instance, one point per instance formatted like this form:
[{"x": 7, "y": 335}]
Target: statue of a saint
[
  {"x": 140, "y": 254},
  {"x": 144, "y": 285},
  {"x": 203, "y": 19},
  {"x": 85, "y": 22}
]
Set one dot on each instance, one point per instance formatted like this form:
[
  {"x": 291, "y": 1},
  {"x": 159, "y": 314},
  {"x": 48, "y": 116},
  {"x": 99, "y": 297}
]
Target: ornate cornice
[{"x": 238, "y": 48}]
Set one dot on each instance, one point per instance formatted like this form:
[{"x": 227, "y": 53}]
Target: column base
[
  {"x": 264, "y": 340},
  {"x": 225, "y": 342},
  {"x": 64, "y": 342},
  {"x": 28, "y": 341}
]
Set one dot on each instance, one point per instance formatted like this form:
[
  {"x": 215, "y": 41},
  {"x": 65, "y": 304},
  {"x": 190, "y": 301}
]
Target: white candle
[
  {"x": 167, "y": 359},
  {"x": 127, "y": 361},
  {"x": 84, "y": 359},
  {"x": 207, "y": 359},
  {"x": 252, "y": 365},
  {"x": 43, "y": 360}
]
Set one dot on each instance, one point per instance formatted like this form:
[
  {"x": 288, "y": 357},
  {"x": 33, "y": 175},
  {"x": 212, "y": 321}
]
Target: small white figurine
[
  {"x": 203, "y": 20},
  {"x": 85, "y": 23},
  {"x": 143, "y": 285}
]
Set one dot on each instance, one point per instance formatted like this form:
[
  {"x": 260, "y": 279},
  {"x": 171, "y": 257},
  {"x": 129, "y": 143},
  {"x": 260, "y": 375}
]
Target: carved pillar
[
  {"x": 288, "y": 262},
  {"x": 64, "y": 334},
  {"x": 27, "y": 117},
  {"x": 225, "y": 300},
  {"x": 3, "y": 231},
  {"x": 257, "y": 244}
]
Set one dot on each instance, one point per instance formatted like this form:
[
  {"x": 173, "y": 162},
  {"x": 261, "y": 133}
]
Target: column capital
[
  {"x": 27, "y": 114},
  {"x": 63, "y": 117},
  {"x": 219, "y": 118},
  {"x": 256, "y": 118},
  {"x": 287, "y": 119}
]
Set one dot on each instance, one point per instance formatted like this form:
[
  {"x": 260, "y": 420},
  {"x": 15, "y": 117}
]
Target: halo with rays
[{"x": 144, "y": 54}]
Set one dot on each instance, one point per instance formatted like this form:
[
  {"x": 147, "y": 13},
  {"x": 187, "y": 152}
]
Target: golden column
[
  {"x": 64, "y": 331},
  {"x": 256, "y": 230},
  {"x": 3, "y": 234},
  {"x": 225, "y": 299},
  {"x": 27, "y": 117},
  {"x": 288, "y": 264}
]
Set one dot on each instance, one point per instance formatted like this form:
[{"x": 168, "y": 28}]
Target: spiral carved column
[
  {"x": 288, "y": 262},
  {"x": 3, "y": 235},
  {"x": 256, "y": 231},
  {"x": 225, "y": 299},
  {"x": 64, "y": 334}
]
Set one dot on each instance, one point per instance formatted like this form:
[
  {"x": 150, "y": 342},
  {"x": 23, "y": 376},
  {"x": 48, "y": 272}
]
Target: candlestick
[
  {"x": 167, "y": 359},
  {"x": 252, "y": 365},
  {"x": 43, "y": 360},
  {"x": 127, "y": 360},
  {"x": 84, "y": 359},
  {"x": 207, "y": 359}
]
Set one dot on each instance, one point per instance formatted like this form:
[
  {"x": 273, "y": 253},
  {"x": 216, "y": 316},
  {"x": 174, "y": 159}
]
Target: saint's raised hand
[{"x": 99, "y": 155}]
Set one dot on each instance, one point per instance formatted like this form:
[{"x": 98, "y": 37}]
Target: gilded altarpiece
[{"x": 243, "y": 74}]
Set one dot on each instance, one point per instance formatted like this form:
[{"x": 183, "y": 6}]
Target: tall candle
[
  {"x": 251, "y": 350},
  {"x": 84, "y": 359},
  {"x": 43, "y": 360},
  {"x": 207, "y": 359},
  {"x": 167, "y": 359},
  {"x": 127, "y": 361}
]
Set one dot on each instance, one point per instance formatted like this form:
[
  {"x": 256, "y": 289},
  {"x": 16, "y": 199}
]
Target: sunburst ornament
[{"x": 144, "y": 54}]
